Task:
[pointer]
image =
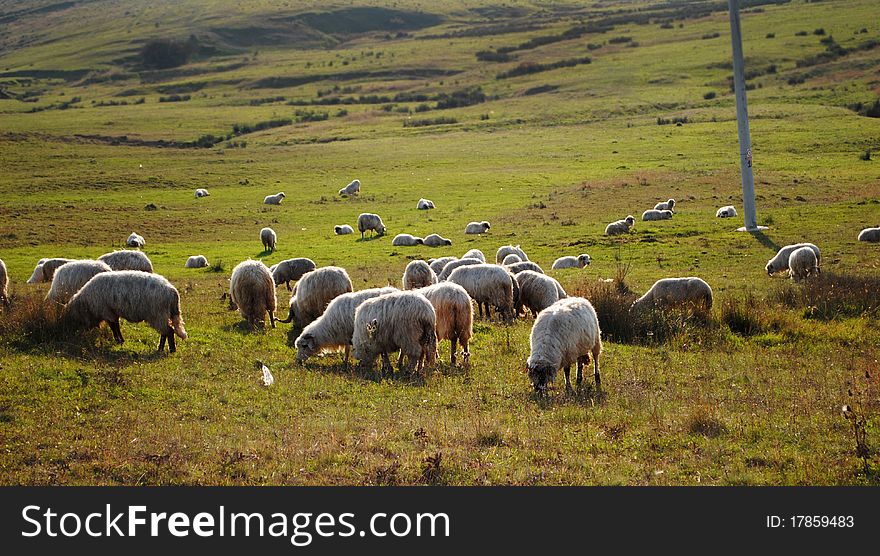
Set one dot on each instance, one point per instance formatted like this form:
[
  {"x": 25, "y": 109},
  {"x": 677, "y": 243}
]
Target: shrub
[
  {"x": 770, "y": 36},
  {"x": 743, "y": 316},
  {"x": 492, "y": 56},
  {"x": 430, "y": 121},
  {"x": 165, "y": 53},
  {"x": 527, "y": 68},
  {"x": 830, "y": 296},
  {"x": 33, "y": 323},
  {"x": 709, "y": 96},
  {"x": 620, "y": 40}
]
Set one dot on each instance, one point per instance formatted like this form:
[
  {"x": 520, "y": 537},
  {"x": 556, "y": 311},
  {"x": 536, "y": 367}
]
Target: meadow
[{"x": 545, "y": 146}]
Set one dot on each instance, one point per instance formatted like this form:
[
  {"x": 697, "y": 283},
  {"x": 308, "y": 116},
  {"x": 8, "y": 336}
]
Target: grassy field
[{"x": 750, "y": 395}]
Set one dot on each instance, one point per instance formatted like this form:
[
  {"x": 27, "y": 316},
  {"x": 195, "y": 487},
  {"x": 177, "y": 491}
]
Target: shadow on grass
[
  {"x": 244, "y": 327},
  {"x": 765, "y": 241},
  {"x": 368, "y": 238},
  {"x": 265, "y": 253},
  {"x": 585, "y": 395}
]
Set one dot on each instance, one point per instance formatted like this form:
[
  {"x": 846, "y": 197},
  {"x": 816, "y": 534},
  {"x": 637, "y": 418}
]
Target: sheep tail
[
  {"x": 177, "y": 325},
  {"x": 288, "y": 319}
]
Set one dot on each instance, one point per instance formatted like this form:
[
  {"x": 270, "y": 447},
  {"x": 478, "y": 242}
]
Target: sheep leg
[
  {"x": 117, "y": 332},
  {"x": 480, "y": 308},
  {"x": 568, "y": 387},
  {"x": 465, "y": 352},
  {"x": 162, "y": 342},
  {"x": 386, "y": 363},
  {"x": 172, "y": 346},
  {"x": 272, "y": 319},
  {"x": 582, "y": 360},
  {"x": 452, "y": 352},
  {"x": 596, "y": 350},
  {"x": 488, "y": 312},
  {"x": 288, "y": 286},
  {"x": 347, "y": 352}
]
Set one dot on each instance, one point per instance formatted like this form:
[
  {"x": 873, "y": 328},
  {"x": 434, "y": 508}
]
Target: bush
[
  {"x": 527, "y": 68},
  {"x": 709, "y": 96},
  {"x": 32, "y": 323},
  {"x": 743, "y": 317},
  {"x": 165, "y": 54},
  {"x": 830, "y": 296},
  {"x": 492, "y": 56},
  {"x": 427, "y": 122}
]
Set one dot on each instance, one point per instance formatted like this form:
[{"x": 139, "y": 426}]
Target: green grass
[{"x": 720, "y": 402}]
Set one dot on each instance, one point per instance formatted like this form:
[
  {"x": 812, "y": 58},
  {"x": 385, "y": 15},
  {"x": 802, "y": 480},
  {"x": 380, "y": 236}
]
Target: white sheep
[
  {"x": 513, "y": 258},
  {"x": 779, "y": 262},
  {"x": 669, "y": 292},
  {"x": 406, "y": 240},
  {"x": 127, "y": 260},
  {"x": 870, "y": 234},
  {"x": 418, "y": 275},
  {"x": 201, "y": 193},
  {"x": 196, "y": 261},
  {"x": 132, "y": 295},
  {"x": 252, "y": 292},
  {"x": 314, "y": 291},
  {"x": 371, "y": 222},
  {"x": 538, "y": 291},
  {"x": 291, "y": 270},
  {"x": 474, "y": 254},
  {"x": 71, "y": 277},
  {"x": 580, "y": 261},
  {"x": 135, "y": 240},
  {"x": 45, "y": 270},
  {"x": 654, "y": 214},
  {"x": 404, "y": 321},
  {"x": 505, "y": 250},
  {"x": 269, "y": 239},
  {"x": 566, "y": 332},
  {"x": 437, "y": 265},
  {"x": 352, "y": 188},
  {"x": 274, "y": 199},
  {"x": 802, "y": 263},
  {"x": 4, "y": 284},
  {"x": 425, "y": 204},
  {"x": 726, "y": 212},
  {"x": 488, "y": 285},
  {"x": 333, "y": 330},
  {"x": 477, "y": 227},
  {"x": 516, "y": 268},
  {"x": 434, "y": 240},
  {"x": 668, "y": 205},
  {"x": 342, "y": 230},
  {"x": 620, "y": 226},
  {"x": 455, "y": 316},
  {"x": 452, "y": 265}
]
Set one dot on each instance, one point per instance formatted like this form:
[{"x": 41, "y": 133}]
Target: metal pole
[{"x": 742, "y": 121}]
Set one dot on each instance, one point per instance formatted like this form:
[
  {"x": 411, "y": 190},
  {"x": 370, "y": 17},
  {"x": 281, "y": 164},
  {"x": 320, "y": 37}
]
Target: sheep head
[
  {"x": 541, "y": 373},
  {"x": 306, "y": 346},
  {"x": 584, "y": 260},
  {"x": 372, "y": 327}
]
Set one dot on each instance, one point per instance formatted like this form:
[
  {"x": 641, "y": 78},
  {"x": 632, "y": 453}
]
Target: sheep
[
  {"x": 451, "y": 266},
  {"x": 434, "y": 240},
  {"x": 505, "y": 250},
  {"x": 488, "y": 285},
  {"x": 564, "y": 333},
  {"x": 45, "y": 270},
  {"x": 352, "y": 188},
  {"x": 870, "y": 234},
  {"x": 668, "y": 205},
  {"x": 274, "y": 199},
  {"x": 477, "y": 227},
  {"x": 372, "y": 222},
  {"x": 406, "y": 240},
  {"x": 455, "y": 316},
  {"x": 656, "y": 215},
  {"x": 474, "y": 254},
  {"x": 201, "y": 193},
  {"x": 538, "y": 291},
  {"x": 418, "y": 275},
  {"x": 334, "y": 328},
  {"x": 314, "y": 291},
  {"x": 196, "y": 261},
  {"x": 252, "y": 292},
  {"x": 676, "y": 291},
  {"x": 402, "y": 320},
  {"x": 132, "y": 295},
  {"x": 780, "y": 261},
  {"x": 437, "y": 265},
  {"x": 71, "y": 277},
  {"x": 620, "y": 226},
  {"x": 343, "y": 230},
  {"x": 802, "y": 263},
  {"x": 425, "y": 204},
  {"x": 269, "y": 238},
  {"x": 513, "y": 258},
  {"x": 580, "y": 261},
  {"x": 4, "y": 284},
  {"x": 291, "y": 270},
  {"x": 127, "y": 260},
  {"x": 516, "y": 268},
  {"x": 135, "y": 240},
  {"x": 726, "y": 212}
]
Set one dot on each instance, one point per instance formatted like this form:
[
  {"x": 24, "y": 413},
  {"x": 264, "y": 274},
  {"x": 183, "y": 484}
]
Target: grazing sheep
[
  {"x": 802, "y": 263},
  {"x": 506, "y": 250},
  {"x": 334, "y": 328},
  {"x": 71, "y": 277},
  {"x": 196, "y": 261},
  {"x": 291, "y": 270},
  {"x": 352, "y": 188},
  {"x": 252, "y": 292},
  {"x": 656, "y": 215},
  {"x": 274, "y": 199},
  {"x": 564, "y": 333},
  {"x": 425, "y": 204},
  {"x": 488, "y": 285},
  {"x": 314, "y": 291},
  {"x": 269, "y": 238},
  {"x": 343, "y": 230},
  {"x": 516, "y": 268},
  {"x": 537, "y": 291},
  {"x": 4, "y": 284},
  {"x": 513, "y": 258},
  {"x": 477, "y": 227},
  {"x": 620, "y": 226},
  {"x": 434, "y": 240},
  {"x": 45, "y": 270},
  {"x": 418, "y": 275},
  {"x": 870, "y": 234},
  {"x": 452, "y": 265},
  {"x": 406, "y": 240},
  {"x": 437, "y": 265},
  {"x": 668, "y": 205},
  {"x": 372, "y": 222},
  {"x": 780, "y": 261},
  {"x": 455, "y": 316},
  {"x": 474, "y": 254},
  {"x": 580, "y": 261},
  {"x": 404, "y": 321},
  {"x": 676, "y": 291},
  {"x": 127, "y": 260},
  {"x": 726, "y": 212},
  {"x": 132, "y": 295},
  {"x": 201, "y": 193},
  {"x": 135, "y": 240}
]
